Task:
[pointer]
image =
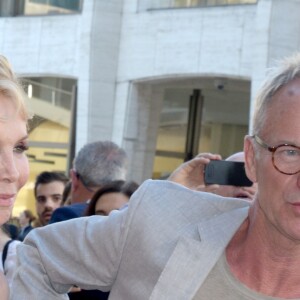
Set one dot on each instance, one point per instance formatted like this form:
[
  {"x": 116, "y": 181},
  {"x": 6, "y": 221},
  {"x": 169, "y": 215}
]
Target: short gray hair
[
  {"x": 98, "y": 163},
  {"x": 286, "y": 71}
]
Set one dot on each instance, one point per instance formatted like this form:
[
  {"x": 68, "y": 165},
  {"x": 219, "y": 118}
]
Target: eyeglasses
[{"x": 285, "y": 157}]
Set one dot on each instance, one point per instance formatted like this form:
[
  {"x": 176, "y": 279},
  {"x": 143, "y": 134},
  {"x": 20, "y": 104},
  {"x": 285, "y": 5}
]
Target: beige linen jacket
[{"x": 161, "y": 247}]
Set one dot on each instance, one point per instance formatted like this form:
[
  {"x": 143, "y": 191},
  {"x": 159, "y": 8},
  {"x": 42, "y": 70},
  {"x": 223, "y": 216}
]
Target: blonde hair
[{"x": 11, "y": 88}]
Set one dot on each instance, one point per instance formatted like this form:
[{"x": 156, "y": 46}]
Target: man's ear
[
  {"x": 75, "y": 180},
  {"x": 250, "y": 162}
]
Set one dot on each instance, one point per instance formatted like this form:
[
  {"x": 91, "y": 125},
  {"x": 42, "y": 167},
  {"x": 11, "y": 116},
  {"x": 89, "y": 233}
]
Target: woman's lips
[{"x": 7, "y": 200}]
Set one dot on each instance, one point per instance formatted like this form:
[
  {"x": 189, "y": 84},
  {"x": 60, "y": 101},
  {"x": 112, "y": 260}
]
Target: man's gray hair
[
  {"x": 286, "y": 71},
  {"x": 98, "y": 163}
]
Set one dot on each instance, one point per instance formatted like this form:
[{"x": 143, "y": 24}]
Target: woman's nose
[{"x": 8, "y": 169}]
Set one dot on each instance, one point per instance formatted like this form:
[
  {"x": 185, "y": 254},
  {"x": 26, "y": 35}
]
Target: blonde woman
[{"x": 14, "y": 169}]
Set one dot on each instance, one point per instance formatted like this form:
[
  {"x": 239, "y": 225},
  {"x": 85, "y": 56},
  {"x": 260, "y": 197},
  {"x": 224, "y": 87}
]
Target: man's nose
[{"x": 49, "y": 202}]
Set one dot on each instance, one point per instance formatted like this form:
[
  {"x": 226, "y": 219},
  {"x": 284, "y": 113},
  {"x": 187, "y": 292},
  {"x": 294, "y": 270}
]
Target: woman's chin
[{"x": 4, "y": 215}]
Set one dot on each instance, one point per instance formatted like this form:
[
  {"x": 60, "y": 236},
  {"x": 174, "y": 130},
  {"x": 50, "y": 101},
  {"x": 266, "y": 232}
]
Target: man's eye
[
  {"x": 41, "y": 200},
  {"x": 57, "y": 198},
  {"x": 291, "y": 152}
]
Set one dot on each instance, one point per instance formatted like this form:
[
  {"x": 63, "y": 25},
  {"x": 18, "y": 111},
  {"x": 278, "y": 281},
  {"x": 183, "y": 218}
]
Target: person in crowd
[
  {"x": 66, "y": 196},
  {"x": 95, "y": 165},
  {"x": 112, "y": 196},
  {"x": 14, "y": 167},
  {"x": 25, "y": 220},
  {"x": 175, "y": 243},
  {"x": 8, "y": 253},
  {"x": 191, "y": 175},
  {"x": 12, "y": 229},
  {"x": 48, "y": 190}
]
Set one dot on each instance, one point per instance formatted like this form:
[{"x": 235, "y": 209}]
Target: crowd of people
[{"x": 99, "y": 236}]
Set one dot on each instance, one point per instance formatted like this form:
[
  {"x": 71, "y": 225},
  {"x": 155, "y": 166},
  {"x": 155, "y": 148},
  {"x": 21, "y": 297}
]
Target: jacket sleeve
[{"x": 85, "y": 252}]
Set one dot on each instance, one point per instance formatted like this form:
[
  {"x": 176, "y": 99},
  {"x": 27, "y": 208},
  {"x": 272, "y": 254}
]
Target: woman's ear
[{"x": 250, "y": 161}]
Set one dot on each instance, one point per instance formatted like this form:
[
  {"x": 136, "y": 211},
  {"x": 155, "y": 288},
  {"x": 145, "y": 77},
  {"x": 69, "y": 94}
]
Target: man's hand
[{"x": 191, "y": 173}]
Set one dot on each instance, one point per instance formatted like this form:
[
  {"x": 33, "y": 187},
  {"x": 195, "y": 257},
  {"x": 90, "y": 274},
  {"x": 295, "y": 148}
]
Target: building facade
[{"x": 164, "y": 79}]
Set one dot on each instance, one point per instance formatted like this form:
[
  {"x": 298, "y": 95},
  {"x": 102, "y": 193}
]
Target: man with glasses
[{"x": 175, "y": 243}]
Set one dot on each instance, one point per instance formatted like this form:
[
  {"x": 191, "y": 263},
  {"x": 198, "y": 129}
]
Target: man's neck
[
  {"x": 81, "y": 196},
  {"x": 250, "y": 260}
]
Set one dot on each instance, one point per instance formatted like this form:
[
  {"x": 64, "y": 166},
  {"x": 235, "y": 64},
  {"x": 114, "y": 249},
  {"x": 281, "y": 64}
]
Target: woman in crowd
[
  {"x": 112, "y": 196},
  {"x": 14, "y": 168},
  {"x": 25, "y": 219}
]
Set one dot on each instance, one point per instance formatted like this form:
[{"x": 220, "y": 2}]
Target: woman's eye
[{"x": 20, "y": 148}]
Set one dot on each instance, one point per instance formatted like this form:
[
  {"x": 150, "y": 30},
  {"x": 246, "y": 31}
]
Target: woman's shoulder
[{"x": 3, "y": 287}]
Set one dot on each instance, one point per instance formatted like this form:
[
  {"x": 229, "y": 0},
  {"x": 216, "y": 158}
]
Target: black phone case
[{"x": 226, "y": 173}]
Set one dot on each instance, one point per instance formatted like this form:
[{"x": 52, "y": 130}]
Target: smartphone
[{"x": 225, "y": 172}]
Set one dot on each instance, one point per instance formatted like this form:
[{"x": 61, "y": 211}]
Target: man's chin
[{"x": 46, "y": 219}]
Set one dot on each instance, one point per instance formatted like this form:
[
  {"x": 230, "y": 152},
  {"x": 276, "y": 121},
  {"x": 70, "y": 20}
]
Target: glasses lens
[{"x": 287, "y": 159}]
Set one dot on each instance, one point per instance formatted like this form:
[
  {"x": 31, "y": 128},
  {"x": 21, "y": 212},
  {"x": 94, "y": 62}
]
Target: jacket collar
[{"x": 192, "y": 259}]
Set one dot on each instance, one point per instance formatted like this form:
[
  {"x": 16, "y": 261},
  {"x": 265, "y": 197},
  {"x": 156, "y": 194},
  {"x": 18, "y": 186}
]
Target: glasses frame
[{"x": 260, "y": 142}]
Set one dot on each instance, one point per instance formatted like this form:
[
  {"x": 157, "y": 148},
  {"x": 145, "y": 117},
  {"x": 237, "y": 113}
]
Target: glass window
[
  {"x": 216, "y": 122},
  {"x": 57, "y": 91},
  {"x": 39, "y": 7},
  {"x": 171, "y": 138},
  {"x": 157, "y": 4}
]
